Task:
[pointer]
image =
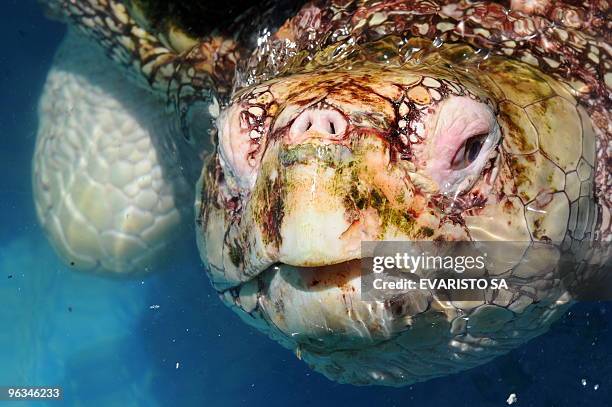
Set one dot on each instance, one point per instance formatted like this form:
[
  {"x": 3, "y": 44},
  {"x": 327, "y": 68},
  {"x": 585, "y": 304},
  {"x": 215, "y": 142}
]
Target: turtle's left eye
[
  {"x": 464, "y": 136},
  {"x": 468, "y": 152}
]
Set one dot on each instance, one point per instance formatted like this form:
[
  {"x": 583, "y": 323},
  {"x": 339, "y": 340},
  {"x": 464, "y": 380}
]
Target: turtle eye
[
  {"x": 468, "y": 152},
  {"x": 465, "y": 135}
]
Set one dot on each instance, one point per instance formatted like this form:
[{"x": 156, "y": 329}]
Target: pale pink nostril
[{"x": 326, "y": 123}]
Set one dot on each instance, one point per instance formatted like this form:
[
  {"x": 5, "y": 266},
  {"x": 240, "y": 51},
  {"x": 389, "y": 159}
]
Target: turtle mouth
[
  {"x": 320, "y": 277},
  {"x": 313, "y": 305}
]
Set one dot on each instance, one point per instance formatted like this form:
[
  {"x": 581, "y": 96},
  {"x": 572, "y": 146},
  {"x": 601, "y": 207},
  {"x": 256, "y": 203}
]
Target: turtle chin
[{"x": 320, "y": 308}]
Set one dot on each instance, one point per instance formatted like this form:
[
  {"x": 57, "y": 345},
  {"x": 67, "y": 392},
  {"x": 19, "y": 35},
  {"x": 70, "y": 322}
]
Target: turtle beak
[
  {"x": 317, "y": 219},
  {"x": 317, "y": 199},
  {"x": 314, "y": 162}
]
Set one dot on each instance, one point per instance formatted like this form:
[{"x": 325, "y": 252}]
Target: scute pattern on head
[
  {"x": 401, "y": 103},
  {"x": 540, "y": 154},
  {"x": 568, "y": 41}
]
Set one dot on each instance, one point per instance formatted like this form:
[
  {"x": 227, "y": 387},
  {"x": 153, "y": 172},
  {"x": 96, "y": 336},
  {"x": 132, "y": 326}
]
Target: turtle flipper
[
  {"x": 109, "y": 181},
  {"x": 111, "y": 188}
]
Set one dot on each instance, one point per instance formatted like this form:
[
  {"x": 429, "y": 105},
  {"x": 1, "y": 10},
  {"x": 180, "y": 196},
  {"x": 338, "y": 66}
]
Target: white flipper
[{"x": 109, "y": 188}]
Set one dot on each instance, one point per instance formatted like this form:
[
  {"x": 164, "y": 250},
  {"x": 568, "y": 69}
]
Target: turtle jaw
[
  {"x": 320, "y": 308},
  {"x": 292, "y": 248}
]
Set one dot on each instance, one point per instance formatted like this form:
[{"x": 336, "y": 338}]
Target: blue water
[{"x": 118, "y": 343}]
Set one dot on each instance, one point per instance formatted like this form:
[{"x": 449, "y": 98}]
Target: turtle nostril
[
  {"x": 322, "y": 122},
  {"x": 302, "y": 123},
  {"x": 335, "y": 122}
]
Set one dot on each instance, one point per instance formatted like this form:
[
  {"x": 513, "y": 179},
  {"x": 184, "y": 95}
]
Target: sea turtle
[{"x": 337, "y": 122}]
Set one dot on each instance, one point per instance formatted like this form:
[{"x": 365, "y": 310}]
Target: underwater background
[{"x": 167, "y": 339}]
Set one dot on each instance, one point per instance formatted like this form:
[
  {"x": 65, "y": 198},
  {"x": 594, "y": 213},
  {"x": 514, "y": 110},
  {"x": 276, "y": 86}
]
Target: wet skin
[{"x": 310, "y": 165}]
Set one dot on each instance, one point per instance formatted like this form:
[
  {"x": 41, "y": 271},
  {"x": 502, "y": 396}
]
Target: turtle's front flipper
[
  {"x": 111, "y": 188},
  {"x": 110, "y": 184}
]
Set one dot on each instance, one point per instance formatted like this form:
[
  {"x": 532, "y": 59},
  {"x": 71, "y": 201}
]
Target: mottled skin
[{"x": 282, "y": 208}]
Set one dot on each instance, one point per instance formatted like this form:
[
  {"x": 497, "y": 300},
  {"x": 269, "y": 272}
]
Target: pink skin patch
[
  {"x": 238, "y": 141},
  {"x": 240, "y": 137},
  {"x": 459, "y": 119}
]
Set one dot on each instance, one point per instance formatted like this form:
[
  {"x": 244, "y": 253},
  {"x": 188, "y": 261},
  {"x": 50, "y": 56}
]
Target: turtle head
[
  {"x": 310, "y": 165},
  {"x": 318, "y": 163}
]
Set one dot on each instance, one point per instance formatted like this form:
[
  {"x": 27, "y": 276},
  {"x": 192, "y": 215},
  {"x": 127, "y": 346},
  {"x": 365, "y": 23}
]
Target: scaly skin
[
  {"x": 294, "y": 212},
  {"x": 302, "y": 215},
  {"x": 110, "y": 189},
  {"x": 571, "y": 43},
  {"x": 282, "y": 207}
]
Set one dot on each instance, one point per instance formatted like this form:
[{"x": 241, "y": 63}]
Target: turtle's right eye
[{"x": 469, "y": 151}]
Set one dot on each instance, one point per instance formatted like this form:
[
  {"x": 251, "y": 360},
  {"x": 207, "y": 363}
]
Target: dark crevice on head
[{"x": 201, "y": 18}]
